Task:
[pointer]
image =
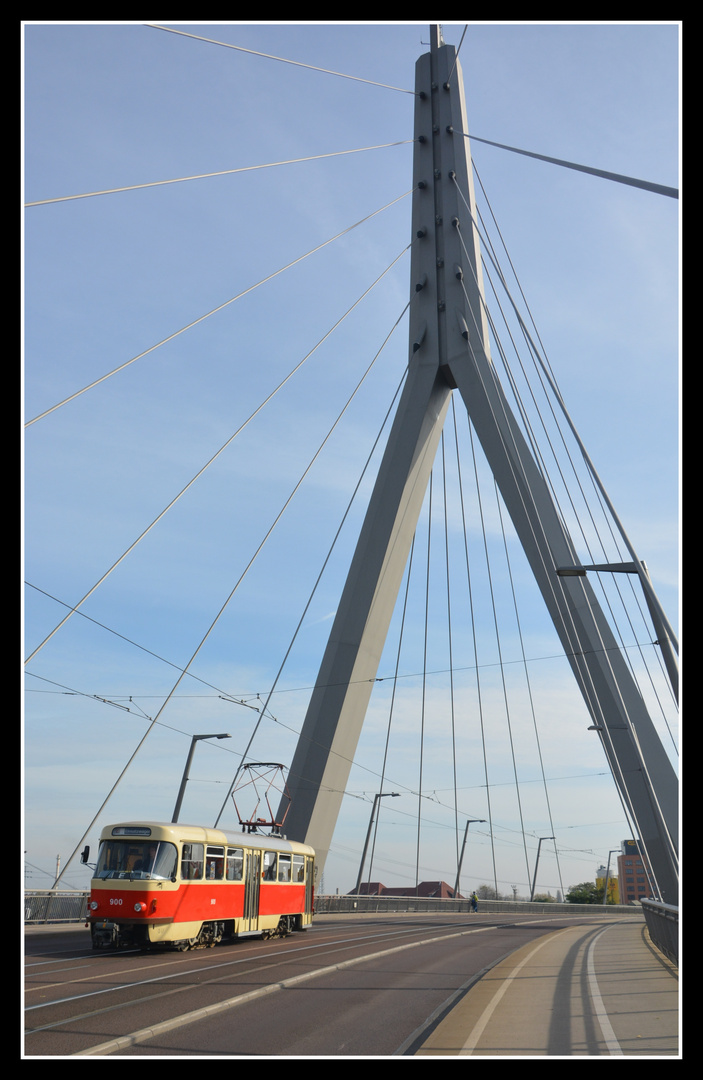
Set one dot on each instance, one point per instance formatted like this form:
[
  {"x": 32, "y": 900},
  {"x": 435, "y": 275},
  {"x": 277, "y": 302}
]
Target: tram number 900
[{"x": 115, "y": 900}]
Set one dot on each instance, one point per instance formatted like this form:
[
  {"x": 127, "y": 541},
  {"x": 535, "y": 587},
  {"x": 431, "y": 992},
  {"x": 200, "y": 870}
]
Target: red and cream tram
[{"x": 184, "y": 886}]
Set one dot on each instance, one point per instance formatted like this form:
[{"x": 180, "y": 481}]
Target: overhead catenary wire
[{"x": 239, "y": 700}]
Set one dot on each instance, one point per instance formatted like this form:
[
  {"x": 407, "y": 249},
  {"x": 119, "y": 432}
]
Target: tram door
[
  {"x": 252, "y": 876},
  {"x": 309, "y": 881}
]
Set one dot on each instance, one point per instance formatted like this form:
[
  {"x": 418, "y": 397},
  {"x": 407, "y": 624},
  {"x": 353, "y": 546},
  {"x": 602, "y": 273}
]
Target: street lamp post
[
  {"x": 534, "y": 879},
  {"x": 666, "y": 639},
  {"x": 384, "y": 795},
  {"x": 607, "y": 874},
  {"x": 184, "y": 781},
  {"x": 463, "y": 846}
]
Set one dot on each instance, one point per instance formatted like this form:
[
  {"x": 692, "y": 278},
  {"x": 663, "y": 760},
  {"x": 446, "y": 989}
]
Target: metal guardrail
[
  {"x": 663, "y": 925},
  {"x": 58, "y": 906},
  {"x": 327, "y": 905},
  {"x": 55, "y": 906}
]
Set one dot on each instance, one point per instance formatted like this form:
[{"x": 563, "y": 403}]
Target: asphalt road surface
[{"x": 350, "y": 986}]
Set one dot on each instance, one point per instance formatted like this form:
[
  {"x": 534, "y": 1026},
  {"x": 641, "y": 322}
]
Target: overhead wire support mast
[{"x": 449, "y": 350}]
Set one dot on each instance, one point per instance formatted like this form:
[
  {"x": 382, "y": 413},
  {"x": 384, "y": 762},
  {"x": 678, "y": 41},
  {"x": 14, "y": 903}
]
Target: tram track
[
  {"x": 259, "y": 965},
  {"x": 83, "y": 1023},
  {"x": 181, "y": 963}
]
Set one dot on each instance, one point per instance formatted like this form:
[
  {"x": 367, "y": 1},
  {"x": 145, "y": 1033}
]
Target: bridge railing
[
  {"x": 59, "y": 906},
  {"x": 55, "y": 906},
  {"x": 379, "y": 904},
  {"x": 663, "y": 925}
]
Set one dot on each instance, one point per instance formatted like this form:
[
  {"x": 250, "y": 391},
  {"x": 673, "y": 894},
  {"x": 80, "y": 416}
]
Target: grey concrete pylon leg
[
  {"x": 449, "y": 349},
  {"x": 327, "y": 743}
]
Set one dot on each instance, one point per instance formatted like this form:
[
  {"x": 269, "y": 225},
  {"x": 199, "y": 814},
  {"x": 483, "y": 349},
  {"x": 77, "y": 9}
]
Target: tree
[
  {"x": 487, "y": 892},
  {"x": 585, "y": 893}
]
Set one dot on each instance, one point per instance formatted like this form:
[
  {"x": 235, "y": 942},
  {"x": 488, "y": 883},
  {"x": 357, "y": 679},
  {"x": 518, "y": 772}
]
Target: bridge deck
[{"x": 579, "y": 991}]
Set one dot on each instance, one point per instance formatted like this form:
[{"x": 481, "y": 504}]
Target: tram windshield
[{"x": 136, "y": 859}]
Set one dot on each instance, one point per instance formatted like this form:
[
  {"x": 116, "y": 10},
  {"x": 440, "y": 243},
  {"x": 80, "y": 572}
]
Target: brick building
[
  {"x": 633, "y": 875},
  {"x": 426, "y": 889}
]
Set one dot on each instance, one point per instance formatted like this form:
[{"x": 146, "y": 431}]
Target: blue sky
[{"x": 108, "y": 277}]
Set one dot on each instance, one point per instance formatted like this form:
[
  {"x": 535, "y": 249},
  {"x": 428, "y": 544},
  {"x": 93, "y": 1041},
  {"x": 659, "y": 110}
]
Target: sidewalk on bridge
[{"x": 579, "y": 991}]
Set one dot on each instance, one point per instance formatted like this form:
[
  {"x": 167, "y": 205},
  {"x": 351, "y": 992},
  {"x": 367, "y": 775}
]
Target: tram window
[
  {"x": 136, "y": 859},
  {"x": 192, "y": 862},
  {"x": 269, "y": 873},
  {"x": 215, "y": 863},
  {"x": 298, "y": 868},
  {"x": 284, "y": 867},
  {"x": 164, "y": 865},
  {"x": 235, "y": 864}
]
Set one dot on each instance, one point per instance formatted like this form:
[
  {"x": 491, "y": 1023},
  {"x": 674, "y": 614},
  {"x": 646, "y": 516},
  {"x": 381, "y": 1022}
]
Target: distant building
[
  {"x": 426, "y": 889},
  {"x": 633, "y": 874}
]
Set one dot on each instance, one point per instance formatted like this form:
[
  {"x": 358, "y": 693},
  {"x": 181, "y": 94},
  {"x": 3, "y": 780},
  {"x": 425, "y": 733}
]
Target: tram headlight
[
  {"x": 93, "y": 905},
  {"x": 139, "y": 908}
]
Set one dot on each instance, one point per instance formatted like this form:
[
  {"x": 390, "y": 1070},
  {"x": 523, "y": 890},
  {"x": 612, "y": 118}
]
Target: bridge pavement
[{"x": 579, "y": 991}]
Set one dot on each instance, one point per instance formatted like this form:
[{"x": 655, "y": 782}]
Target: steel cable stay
[
  {"x": 428, "y": 716},
  {"x": 424, "y": 678},
  {"x": 516, "y": 783},
  {"x": 220, "y": 172},
  {"x": 424, "y": 724},
  {"x": 592, "y": 480},
  {"x": 265, "y": 713},
  {"x": 539, "y": 455},
  {"x": 586, "y": 527},
  {"x": 391, "y": 708},
  {"x": 474, "y": 638},
  {"x": 587, "y": 687},
  {"x": 332, "y": 546},
  {"x": 185, "y": 670},
  {"x": 596, "y": 707},
  {"x": 489, "y": 574},
  {"x": 528, "y": 684},
  {"x": 214, "y": 457},
  {"x": 280, "y": 59},
  {"x": 542, "y": 363},
  {"x": 450, "y": 650},
  {"x": 567, "y": 489},
  {"x": 421, "y": 819},
  {"x": 541, "y": 366},
  {"x": 215, "y": 310}
]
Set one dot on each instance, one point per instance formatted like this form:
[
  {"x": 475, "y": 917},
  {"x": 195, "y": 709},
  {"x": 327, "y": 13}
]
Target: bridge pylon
[{"x": 449, "y": 351}]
